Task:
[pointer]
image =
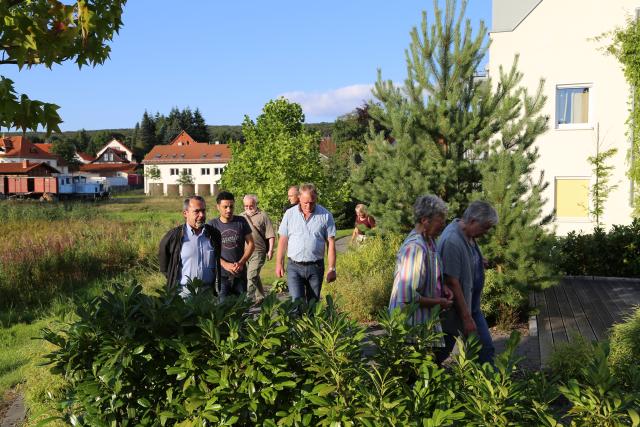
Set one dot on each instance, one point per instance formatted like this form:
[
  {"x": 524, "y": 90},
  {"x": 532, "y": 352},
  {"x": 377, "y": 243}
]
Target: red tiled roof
[
  {"x": 183, "y": 138},
  {"x": 193, "y": 153},
  {"x": 19, "y": 168},
  {"x": 18, "y": 146},
  {"x": 85, "y": 156},
  {"x": 109, "y": 167}
]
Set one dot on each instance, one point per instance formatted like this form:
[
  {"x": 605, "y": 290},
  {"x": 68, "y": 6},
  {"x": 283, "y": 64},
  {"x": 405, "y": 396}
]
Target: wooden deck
[{"x": 585, "y": 306}]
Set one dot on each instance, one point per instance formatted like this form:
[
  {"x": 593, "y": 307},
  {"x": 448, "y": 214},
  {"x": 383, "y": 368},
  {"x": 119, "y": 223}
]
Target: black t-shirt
[{"x": 233, "y": 237}]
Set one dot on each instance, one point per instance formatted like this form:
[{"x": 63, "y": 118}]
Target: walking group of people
[{"x": 227, "y": 254}]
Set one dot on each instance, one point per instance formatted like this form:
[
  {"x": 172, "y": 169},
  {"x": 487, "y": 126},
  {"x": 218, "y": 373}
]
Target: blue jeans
[
  {"x": 232, "y": 285},
  {"x": 305, "y": 280}
]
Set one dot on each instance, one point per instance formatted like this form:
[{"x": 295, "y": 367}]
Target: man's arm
[
  {"x": 248, "y": 250},
  {"x": 469, "y": 326},
  {"x": 331, "y": 259},
  {"x": 271, "y": 241},
  {"x": 282, "y": 249},
  {"x": 163, "y": 254}
]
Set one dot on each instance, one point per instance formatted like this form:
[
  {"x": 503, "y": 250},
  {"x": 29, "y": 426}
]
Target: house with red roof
[
  {"x": 115, "y": 163},
  {"x": 18, "y": 149},
  {"x": 203, "y": 161}
]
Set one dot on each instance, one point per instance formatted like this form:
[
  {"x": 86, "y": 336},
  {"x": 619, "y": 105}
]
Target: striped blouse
[{"x": 418, "y": 273}]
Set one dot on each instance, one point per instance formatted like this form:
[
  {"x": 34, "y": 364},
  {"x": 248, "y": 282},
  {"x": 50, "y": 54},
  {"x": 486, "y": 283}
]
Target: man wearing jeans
[
  {"x": 463, "y": 267},
  {"x": 306, "y": 230}
]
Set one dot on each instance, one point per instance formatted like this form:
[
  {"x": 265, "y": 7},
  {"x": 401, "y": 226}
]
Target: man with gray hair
[
  {"x": 306, "y": 231},
  {"x": 191, "y": 250},
  {"x": 463, "y": 267},
  {"x": 263, "y": 239}
]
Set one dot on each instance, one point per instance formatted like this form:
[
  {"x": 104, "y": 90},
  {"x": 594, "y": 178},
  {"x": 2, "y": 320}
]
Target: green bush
[
  {"x": 133, "y": 359},
  {"x": 365, "y": 277},
  {"x": 568, "y": 359},
  {"x": 625, "y": 345},
  {"x": 613, "y": 253},
  {"x": 501, "y": 303}
]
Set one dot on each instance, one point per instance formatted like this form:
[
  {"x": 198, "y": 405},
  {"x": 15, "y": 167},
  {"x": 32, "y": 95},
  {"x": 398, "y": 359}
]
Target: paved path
[{"x": 342, "y": 244}]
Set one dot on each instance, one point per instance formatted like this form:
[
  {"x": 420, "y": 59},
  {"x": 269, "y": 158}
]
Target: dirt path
[{"x": 12, "y": 410}]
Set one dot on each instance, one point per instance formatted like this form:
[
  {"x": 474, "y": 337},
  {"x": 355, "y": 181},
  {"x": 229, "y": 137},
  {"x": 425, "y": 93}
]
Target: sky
[{"x": 229, "y": 58}]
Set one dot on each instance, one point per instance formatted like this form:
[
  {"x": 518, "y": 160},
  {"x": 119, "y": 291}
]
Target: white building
[
  {"x": 587, "y": 97},
  {"x": 18, "y": 149},
  {"x": 203, "y": 161}
]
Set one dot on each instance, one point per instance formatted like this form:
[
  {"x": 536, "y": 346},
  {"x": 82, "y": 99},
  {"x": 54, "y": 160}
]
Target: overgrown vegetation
[{"x": 613, "y": 253}]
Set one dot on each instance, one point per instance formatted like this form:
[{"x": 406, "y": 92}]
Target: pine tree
[
  {"x": 460, "y": 137},
  {"x": 148, "y": 137},
  {"x": 198, "y": 128}
]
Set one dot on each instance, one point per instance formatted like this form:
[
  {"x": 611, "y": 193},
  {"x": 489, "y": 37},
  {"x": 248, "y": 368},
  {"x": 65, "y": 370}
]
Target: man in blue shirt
[
  {"x": 306, "y": 230},
  {"x": 191, "y": 250}
]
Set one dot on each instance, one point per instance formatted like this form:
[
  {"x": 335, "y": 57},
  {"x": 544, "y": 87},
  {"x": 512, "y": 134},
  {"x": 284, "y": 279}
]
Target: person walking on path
[
  {"x": 237, "y": 247},
  {"x": 293, "y": 194},
  {"x": 191, "y": 250},
  {"x": 464, "y": 275},
  {"x": 306, "y": 231},
  {"x": 263, "y": 239},
  {"x": 418, "y": 277}
]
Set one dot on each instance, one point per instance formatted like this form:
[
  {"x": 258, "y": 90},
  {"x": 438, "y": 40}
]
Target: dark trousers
[
  {"x": 487, "y": 351},
  {"x": 305, "y": 280},
  {"x": 232, "y": 285}
]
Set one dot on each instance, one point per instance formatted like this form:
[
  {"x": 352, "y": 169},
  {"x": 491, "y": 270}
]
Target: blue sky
[{"x": 230, "y": 58}]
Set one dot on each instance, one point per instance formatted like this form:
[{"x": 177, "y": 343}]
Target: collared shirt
[
  {"x": 197, "y": 256},
  {"x": 306, "y": 238}
]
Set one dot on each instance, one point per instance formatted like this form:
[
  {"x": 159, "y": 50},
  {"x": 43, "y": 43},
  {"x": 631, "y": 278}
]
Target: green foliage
[
  {"x": 184, "y": 178},
  {"x": 65, "y": 149},
  {"x": 277, "y": 153},
  {"x": 152, "y": 173},
  {"x": 626, "y": 47},
  {"x": 612, "y": 254},
  {"x": 601, "y": 188},
  {"x": 133, "y": 359},
  {"x": 501, "y": 303},
  {"x": 365, "y": 278},
  {"x": 279, "y": 286},
  {"x": 48, "y": 33},
  {"x": 625, "y": 346},
  {"x": 568, "y": 359}
]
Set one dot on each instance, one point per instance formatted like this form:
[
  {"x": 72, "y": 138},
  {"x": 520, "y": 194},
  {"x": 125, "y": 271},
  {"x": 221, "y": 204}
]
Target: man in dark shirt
[{"x": 237, "y": 246}]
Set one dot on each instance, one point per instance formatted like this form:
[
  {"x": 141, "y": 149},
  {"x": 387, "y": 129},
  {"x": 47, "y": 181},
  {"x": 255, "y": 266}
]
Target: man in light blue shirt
[{"x": 306, "y": 230}]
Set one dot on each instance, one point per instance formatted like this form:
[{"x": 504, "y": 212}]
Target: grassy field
[{"x": 55, "y": 257}]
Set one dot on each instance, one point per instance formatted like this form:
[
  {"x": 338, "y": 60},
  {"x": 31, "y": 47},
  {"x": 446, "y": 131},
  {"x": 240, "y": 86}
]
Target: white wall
[
  {"x": 196, "y": 172},
  {"x": 114, "y": 143},
  {"x": 50, "y": 162},
  {"x": 556, "y": 43}
]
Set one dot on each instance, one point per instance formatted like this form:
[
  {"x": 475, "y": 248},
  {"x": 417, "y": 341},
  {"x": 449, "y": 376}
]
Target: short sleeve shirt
[
  {"x": 306, "y": 238},
  {"x": 233, "y": 237}
]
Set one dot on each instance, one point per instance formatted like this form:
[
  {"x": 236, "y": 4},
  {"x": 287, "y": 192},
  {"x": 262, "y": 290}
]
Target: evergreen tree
[
  {"x": 147, "y": 138},
  {"x": 198, "y": 128},
  {"x": 277, "y": 153},
  {"x": 82, "y": 140},
  {"x": 458, "y": 136},
  {"x": 174, "y": 124}
]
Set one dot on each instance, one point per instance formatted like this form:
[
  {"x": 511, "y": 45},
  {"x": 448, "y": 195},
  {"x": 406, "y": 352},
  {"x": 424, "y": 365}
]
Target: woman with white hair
[
  {"x": 364, "y": 223},
  {"x": 418, "y": 277}
]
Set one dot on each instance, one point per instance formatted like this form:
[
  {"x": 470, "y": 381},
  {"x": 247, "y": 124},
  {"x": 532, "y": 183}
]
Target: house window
[
  {"x": 572, "y": 106},
  {"x": 173, "y": 171},
  {"x": 572, "y": 197},
  {"x": 186, "y": 171},
  {"x": 205, "y": 171}
]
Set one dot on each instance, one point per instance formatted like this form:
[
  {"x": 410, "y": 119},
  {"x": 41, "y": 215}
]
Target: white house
[
  {"x": 116, "y": 151},
  {"x": 587, "y": 97},
  {"x": 203, "y": 161},
  {"x": 19, "y": 149}
]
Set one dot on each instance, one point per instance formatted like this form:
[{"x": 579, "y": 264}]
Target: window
[
  {"x": 572, "y": 106},
  {"x": 186, "y": 171},
  {"x": 572, "y": 197},
  {"x": 216, "y": 171},
  {"x": 205, "y": 171},
  {"x": 173, "y": 171}
]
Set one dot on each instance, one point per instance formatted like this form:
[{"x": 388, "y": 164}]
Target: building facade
[
  {"x": 204, "y": 162},
  {"x": 563, "y": 42},
  {"x": 18, "y": 149}
]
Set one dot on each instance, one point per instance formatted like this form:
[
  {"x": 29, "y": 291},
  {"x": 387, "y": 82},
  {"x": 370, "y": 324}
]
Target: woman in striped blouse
[{"x": 418, "y": 276}]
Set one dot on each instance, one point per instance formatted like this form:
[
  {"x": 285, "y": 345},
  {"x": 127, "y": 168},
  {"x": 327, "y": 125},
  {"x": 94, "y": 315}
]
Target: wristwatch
[{"x": 332, "y": 269}]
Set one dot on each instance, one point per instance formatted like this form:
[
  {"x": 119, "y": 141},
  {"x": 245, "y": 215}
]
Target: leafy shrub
[
  {"x": 568, "y": 359},
  {"x": 134, "y": 359},
  {"x": 613, "y": 253},
  {"x": 365, "y": 277},
  {"x": 501, "y": 303},
  {"x": 625, "y": 345}
]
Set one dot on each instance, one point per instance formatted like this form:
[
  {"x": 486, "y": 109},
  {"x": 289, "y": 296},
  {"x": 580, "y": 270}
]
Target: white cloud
[{"x": 332, "y": 103}]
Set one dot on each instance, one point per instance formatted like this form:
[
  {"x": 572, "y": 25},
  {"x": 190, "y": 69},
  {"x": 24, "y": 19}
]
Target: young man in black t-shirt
[{"x": 237, "y": 246}]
